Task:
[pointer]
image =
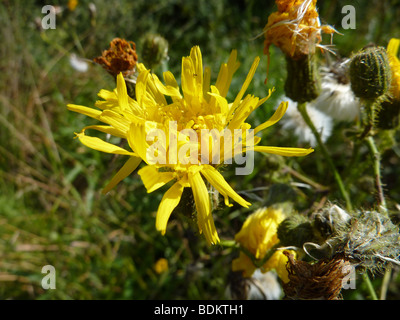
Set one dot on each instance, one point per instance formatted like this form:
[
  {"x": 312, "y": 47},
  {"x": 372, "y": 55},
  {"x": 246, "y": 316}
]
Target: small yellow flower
[
  {"x": 72, "y": 4},
  {"x": 161, "y": 265},
  {"x": 295, "y": 28},
  {"x": 393, "y": 49},
  {"x": 258, "y": 235},
  {"x": 200, "y": 107}
]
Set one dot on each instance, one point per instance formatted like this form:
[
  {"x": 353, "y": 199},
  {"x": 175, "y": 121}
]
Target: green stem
[
  {"x": 385, "y": 284},
  {"x": 376, "y": 158},
  {"x": 303, "y": 111},
  {"x": 229, "y": 243},
  {"x": 369, "y": 286}
]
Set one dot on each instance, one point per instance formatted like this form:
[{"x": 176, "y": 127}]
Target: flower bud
[
  {"x": 295, "y": 231},
  {"x": 154, "y": 50},
  {"x": 370, "y": 73}
]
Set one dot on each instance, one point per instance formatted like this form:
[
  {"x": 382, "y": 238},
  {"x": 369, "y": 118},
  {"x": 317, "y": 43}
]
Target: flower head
[
  {"x": 183, "y": 137},
  {"x": 295, "y": 28},
  {"x": 161, "y": 265},
  {"x": 120, "y": 57},
  {"x": 258, "y": 235}
]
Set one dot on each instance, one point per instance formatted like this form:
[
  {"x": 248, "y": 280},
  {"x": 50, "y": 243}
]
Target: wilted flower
[
  {"x": 322, "y": 280},
  {"x": 155, "y": 130},
  {"x": 120, "y": 57},
  {"x": 258, "y": 235},
  {"x": 294, "y": 122},
  {"x": 295, "y": 28}
]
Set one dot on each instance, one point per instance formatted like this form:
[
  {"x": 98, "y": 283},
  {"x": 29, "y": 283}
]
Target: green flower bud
[
  {"x": 370, "y": 73},
  {"x": 302, "y": 82},
  {"x": 154, "y": 50},
  {"x": 295, "y": 231}
]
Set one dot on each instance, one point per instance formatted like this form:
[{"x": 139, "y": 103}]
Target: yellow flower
[
  {"x": 154, "y": 125},
  {"x": 72, "y": 4},
  {"x": 161, "y": 265},
  {"x": 393, "y": 49},
  {"x": 258, "y": 235},
  {"x": 295, "y": 28}
]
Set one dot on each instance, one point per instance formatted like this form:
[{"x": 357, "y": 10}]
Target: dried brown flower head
[
  {"x": 319, "y": 281},
  {"x": 120, "y": 57}
]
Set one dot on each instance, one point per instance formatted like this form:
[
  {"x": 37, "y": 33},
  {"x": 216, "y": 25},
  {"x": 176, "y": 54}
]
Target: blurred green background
[{"x": 106, "y": 247}]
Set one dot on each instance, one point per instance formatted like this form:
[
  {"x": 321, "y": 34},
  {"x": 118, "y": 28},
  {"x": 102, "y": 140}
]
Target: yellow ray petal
[
  {"x": 282, "y": 151},
  {"x": 187, "y": 78},
  {"x": 206, "y": 83},
  {"x": 154, "y": 91},
  {"x": 166, "y": 89},
  {"x": 197, "y": 60},
  {"x": 122, "y": 92},
  {"x": 100, "y": 145},
  {"x": 218, "y": 181},
  {"x": 93, "y": 113},
  {"x": 245, "y": 85},
  {"x": 393, "y": 46},
  {"x": 220, "y": 102},
  {"x": 115, "y": 119},
  {"x": 168, "y": 203},
  {"x": 107, "y": 95},
  {"x": 107, "y": 129},
  {"x": 275, "y": 117},
  {"x": 205, "y": 220},
  {"x": 170, "y": 81},
  {"x": 141, "y": 84},
  {"x": 137, "y": 140},
  {"x": 153, "y": 179},
  {"x": 126, "y": 170},
  {"x": 246, "y": 106},
  {"x": 226, "y": 73}
]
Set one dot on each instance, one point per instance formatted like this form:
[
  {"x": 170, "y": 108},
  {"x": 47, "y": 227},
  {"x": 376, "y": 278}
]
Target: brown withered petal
[
  {"x": 319, "y": 281},
  {"x": 120, "y": 57}
]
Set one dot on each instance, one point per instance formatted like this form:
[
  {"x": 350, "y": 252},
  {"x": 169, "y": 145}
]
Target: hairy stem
[
  {"x": 376, "y": 158},
  {"x": 303, "y": 111}
]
